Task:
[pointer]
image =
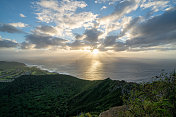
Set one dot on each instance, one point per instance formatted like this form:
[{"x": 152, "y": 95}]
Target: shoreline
[{"x": 41, "y": 67}]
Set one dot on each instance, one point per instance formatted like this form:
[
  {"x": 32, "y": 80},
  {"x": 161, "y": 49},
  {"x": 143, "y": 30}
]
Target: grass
[{"x": 12, "y": 70}]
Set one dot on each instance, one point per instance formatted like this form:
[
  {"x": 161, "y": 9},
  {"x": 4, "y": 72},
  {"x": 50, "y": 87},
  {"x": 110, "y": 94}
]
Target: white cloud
[
  {"x": 64, "y": 15},
  {"x": 109, "y": 1},
  {"x": 118, "y": 19},
  {"x": 103, "y": 7},
  {"x": 155, "y": 5},
  {"x": 118, "y": 30},
  {"x": 121, "y": 9},
  {"x": 19, "y": 24},
  {"x": 22, "y": 15}
]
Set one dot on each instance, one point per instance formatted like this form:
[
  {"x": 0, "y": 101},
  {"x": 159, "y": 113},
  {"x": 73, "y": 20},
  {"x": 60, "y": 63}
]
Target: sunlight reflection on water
[
  {"x": 93, "y": 72},
  {"x": 115, "y": 68}
]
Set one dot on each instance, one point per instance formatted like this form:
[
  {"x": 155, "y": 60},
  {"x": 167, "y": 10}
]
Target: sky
[{"x": 121, "y": 27}]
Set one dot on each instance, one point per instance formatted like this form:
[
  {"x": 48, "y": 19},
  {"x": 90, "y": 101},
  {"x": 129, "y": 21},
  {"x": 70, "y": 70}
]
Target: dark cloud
[
  {"x": 132, "y": 23},
  {"x": 157, "y": 31},
  {"x": 42, "y": 41},
  {"x": 152, "y": 34},
  {"x": 9, "y": 28},
  {"x": 26, "y": 45},
  {"x": 110, "y": 40},
  {"x": 76, "y": 45},
  {"x": 46, "y": 29},
  {"x": 120, "y": 46},
  {"x": 92, "y": 35},
  {"x": 7, "y": 43},
  {"x": 152, "y": 48},
  {"x": 88, "y": 38},
  {"x": 78, "y": 36}
]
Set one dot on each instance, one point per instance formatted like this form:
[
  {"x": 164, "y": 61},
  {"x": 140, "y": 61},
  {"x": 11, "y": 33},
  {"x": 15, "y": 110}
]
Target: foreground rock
[{"x": 114, "y": 111}]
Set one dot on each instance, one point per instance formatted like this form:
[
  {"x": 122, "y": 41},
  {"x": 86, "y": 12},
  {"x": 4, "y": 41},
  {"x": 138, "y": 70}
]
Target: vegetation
[
  {"x": 11, "y": 70},
  {"x": 99, "y": 97},
  {"x": 40, "y": 93},
  {"x": 86, "y": 115},
  {"x": 58, "y": 95},
  {"x": 155, "y": 99}
]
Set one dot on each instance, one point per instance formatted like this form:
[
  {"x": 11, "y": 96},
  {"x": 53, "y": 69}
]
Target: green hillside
[
  {"x": 11, "y": 65},
  {"x": 105, "y": 94},
  {"x": 57, "y": 95},
  {"x": 12, "y": 70},
  {"x": 39, "y": 95}
]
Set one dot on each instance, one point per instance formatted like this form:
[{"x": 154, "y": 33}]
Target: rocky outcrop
[{"x": 113, "y": 112}]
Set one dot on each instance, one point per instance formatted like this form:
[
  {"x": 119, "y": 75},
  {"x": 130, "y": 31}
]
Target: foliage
[
  {"x": 105, "y": 94},
  {"x": 155, "y": 99},
  {"x": 41, "y": 95},
  {"x": 58, "y": 95},
  {"x": 86, "y": 115},
  {"x": 11, "y": 70}
]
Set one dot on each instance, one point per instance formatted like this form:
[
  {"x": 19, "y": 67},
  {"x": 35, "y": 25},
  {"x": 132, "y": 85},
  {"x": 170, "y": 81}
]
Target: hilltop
[
  {"x": 58, "y": 95},
  {"x": 12, "y": 70}
]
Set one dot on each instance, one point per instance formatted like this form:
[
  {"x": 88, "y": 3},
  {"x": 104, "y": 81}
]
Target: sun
[{"x": 95, "y": 51}]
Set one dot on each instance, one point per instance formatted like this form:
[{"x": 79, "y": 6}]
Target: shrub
[{"x": 155, "y": 99}]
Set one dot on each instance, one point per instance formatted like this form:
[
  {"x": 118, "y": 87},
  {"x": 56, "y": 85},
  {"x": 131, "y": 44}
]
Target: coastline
[{"x": 41, "y": 67}]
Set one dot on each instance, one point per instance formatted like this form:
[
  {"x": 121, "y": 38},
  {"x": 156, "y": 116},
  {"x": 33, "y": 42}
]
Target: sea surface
[{"x": 128, "y": 69}]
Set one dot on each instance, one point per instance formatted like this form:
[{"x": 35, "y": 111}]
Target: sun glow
[{"x": 95, "y": 51}]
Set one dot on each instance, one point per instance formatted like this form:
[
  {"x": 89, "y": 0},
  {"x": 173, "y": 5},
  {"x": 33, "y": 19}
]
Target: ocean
[{"x": 128, "y": 69}]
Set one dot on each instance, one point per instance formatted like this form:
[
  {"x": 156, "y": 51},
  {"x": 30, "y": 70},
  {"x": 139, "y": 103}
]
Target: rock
[{"x": 113, "y": 112}]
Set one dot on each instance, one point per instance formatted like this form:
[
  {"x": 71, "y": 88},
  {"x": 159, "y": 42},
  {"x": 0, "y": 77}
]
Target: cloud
[
  {"x": 79, "y": 37},
  {"x": 120, "y": 46},
  {"x": 9, "y": 28},
  {"x": 121, "y": 30},
  {"x": 104, "y": 1},
  {"x": 91, "y": 35},
  {"x": 90, "y": 38},
  {"x": 27, "y": 45},
  {"x": 22, "y": 15},
  {"x": 159, "y": 30},
  {"x": 8, "y": 43},
  {"x": 109, "y": 40},
  {"x": 121, "y": 9},
  {"x": 112, "y": 43},
  {"x": 42, "y": 41},
  {"x": 63, "y": 14},
  {"x": 103, "y": 7},
  {"x": 19, "y": 24},
  {"x": 76, "y": 45},
  {"x": 156, "y": 5},
  {"x": 50, "y": 30},
  {"x": 118, "y": 19},
  {"x": 133, "y": 22},
  {"x": 157, "y": 33},
  {"x": 50, "y": 4}
]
